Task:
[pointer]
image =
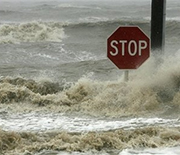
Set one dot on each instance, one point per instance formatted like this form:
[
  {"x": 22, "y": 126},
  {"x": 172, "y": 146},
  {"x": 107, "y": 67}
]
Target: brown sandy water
[
  {"x": 13, "y": 143},
  {"x": 41, "y": 117},
  {"x": 59, "y": 95}
]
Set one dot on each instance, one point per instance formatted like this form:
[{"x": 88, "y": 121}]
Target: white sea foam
[
  {"x": 157, "y": 151},
  {"x": 45, "y": 122},
  {"x": 93, "y": 19},
  {"x": 68, "y": 5}
]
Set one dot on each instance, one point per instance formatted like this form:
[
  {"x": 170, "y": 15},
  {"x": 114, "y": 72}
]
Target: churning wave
[
  {"x": 31, "y": 32},
  {"x": 146, "y": 93},
  {"x": 38, "y": 31},
  {"x": 151, "y": 91},
  {"x": 13, "y": 143}
]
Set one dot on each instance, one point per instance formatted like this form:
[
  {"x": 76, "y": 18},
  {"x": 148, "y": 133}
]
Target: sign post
[
  {"x": 128, "y": 48},
  {"x": 158, "y": 17},
  {"x": 126, "y": 75}
]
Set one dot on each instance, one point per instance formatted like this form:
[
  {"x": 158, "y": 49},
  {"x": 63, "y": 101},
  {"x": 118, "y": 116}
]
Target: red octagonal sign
[{"x": 128, "y": 47}]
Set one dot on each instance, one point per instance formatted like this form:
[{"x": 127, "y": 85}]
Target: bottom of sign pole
[{"x": 126, "y": 75}]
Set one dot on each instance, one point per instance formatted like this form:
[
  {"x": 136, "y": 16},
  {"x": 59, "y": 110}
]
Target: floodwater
[{"x": 59, "y": 93}]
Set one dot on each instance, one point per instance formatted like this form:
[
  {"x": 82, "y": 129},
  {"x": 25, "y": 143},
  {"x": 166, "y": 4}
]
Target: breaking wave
[
  {"x": 31, "y": 32},
  {"x": 147, "y": 93},
  {"x": 151, "y": 91},
  {"x": 54, "y": 31},
  {"x": 149, "y": 137}
]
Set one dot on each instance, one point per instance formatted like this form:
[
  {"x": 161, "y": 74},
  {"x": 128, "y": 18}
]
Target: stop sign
[{"x": 128, "y": 47}]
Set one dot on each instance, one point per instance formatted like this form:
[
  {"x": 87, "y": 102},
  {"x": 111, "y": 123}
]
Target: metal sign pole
[{"x": 158, "y": 17}]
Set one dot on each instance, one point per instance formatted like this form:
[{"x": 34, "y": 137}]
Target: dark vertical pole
[{"x": 158, "y": 17}]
